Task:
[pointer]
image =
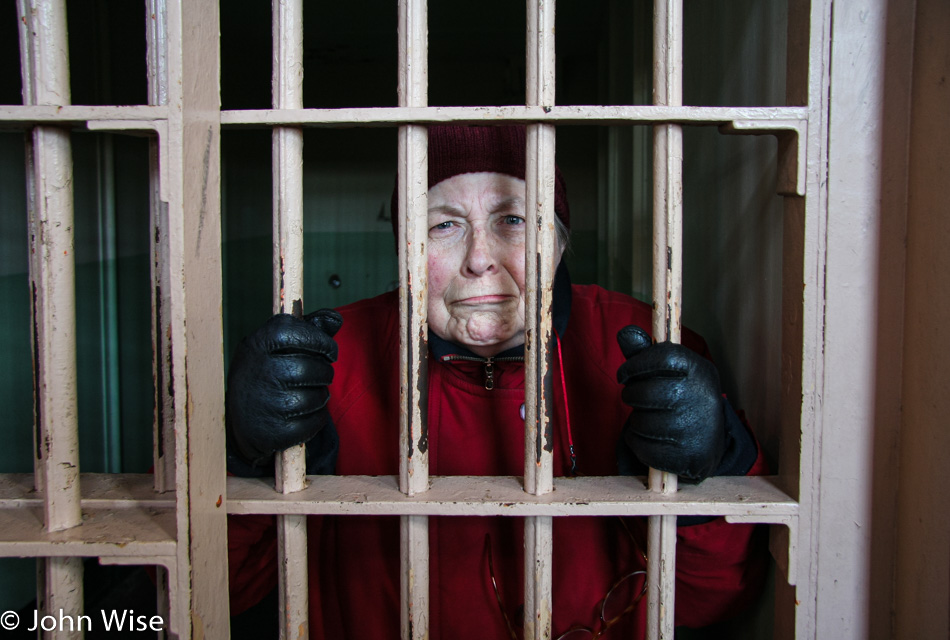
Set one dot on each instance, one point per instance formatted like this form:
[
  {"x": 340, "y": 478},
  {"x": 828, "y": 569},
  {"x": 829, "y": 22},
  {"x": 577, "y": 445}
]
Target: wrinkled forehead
[{"x": 485, "y": 191}]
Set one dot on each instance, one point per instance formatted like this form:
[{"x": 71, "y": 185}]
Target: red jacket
[{"x": 354, "y": 561}]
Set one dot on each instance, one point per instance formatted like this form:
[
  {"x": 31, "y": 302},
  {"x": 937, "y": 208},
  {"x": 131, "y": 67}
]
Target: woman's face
[{"x": 476, "y": 261}]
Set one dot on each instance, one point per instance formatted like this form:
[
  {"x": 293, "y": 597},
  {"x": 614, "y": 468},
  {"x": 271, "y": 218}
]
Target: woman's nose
[{"x": 479, "y": 258}]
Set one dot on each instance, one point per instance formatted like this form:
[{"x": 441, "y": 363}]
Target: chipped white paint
[
  {"x": 414, "y": 577},
  {"x": 538, "y": 553},
  {"x": 540, "y": 250},
  {"x": 412, "y": 90},
  {"x": 99, "y": 491},
  {"x": 540, "y": 263},
  {"x": 413, "y": 234},
  {"x": 163, "y": 431},
  {"x": 667, "y": 288},
  {"x": 105, "y": 532},
  {"x": 293, "y": 589},
  {"x": 288, "y": 260},
  {"x": 780, "y": 118},
  {"x": 45, "y": 72},
  {"x": 287, "y": 90},
  {"x": 194, "y": 260},
  {"x": 573, "y": 114},
  {"x": 60, "y": 591},
  {"x": 45, "y": 76},
  {"x": 163, "y": 441},
  {"x": 757, "y": 496}
]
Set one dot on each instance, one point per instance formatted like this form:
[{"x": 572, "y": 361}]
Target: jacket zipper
[{"x": 489, "y": 364}]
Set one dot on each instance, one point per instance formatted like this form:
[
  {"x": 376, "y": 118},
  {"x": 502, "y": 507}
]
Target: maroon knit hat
[{"x": 454, "y": 150}]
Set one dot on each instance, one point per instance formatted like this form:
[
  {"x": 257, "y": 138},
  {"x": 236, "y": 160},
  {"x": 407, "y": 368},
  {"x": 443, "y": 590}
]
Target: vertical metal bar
[
  {"x": 60, "y": 587},
  {"x": 192, "y": 171},
  {"x": 413, "y": 314},
  {"x": 287, "y": 89},
  {"x": 45, "y": 73},
  {"x": 52, "y": 267},
  {"x": 538, "y": 551},
  {"x": 291, "y": 466},
  {"x": 414, "y": 577},
  {"x": 163, "y": 432},
  {"x": 540, "y": 264},
  {"x": 667, "y": 289}
]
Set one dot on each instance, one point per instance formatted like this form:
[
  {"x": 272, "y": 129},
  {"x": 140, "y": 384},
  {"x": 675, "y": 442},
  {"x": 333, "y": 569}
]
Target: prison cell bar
[
  {"x": 44, "y": 64},
  {"x": 413, "y": 312},
  {"x": 539, "y": 276},
  {"x": 287, "y": 152},
  {"x": 163, "y": 432},
  {"x": 195, "y": 261},
  {"x": 163, "y": 441},
  {"x": 667, "y": 289}
]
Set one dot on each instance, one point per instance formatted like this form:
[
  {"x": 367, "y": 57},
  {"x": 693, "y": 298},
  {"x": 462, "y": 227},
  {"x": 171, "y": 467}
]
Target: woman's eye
[
  {"x": 442, "y": 226},
  {"x": 513, "y": 220}
]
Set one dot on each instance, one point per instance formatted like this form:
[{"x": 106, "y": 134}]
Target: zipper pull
[{"x": 489, "y": 373}]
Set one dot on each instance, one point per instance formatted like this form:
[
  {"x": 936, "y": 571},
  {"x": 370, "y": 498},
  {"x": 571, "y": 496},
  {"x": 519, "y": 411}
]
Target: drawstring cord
[{"x": 567, "y": 411}]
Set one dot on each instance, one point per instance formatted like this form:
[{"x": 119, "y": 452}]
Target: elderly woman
[{"x": 331, "y": 380}]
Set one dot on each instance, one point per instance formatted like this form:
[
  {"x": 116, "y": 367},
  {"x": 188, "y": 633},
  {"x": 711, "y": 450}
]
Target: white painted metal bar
[
  {"x": 540, "y": 264},
  {"x": 45, "y": 75},
  {"x": 74, "y": 115},
  {"x": 59, "y": 582},
  {"x": 291, "y": 466},
  {"x": 667, "y": 289},
  {"x": 413, "y": 313},
  {"x": 163, "y": 428},
  {"x": 788, "y": 124},
  {"x": 135, "y": 531},
  {"x": 730, "y": 496},
  {"x": 413, "y": 233},
  {"x": 163, "y": 432},
  {"x": 783, "y": 117},
  {"x": 540, "y": 252},
  {"x": 414, "y": 577},
  {"x": 191, "y": 169},
  {"x": 163, "y": 440},
  {"x": 804, "y": 325},
  {"x": 287, "y": 89},
  {"x": 52, "y": 267}
]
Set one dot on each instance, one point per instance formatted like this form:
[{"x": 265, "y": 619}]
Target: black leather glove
[
  {"x": 277, "y": 393},
  {"x": 678, "y": 421}
]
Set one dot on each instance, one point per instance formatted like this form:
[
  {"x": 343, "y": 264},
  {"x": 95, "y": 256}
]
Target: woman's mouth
[{"x": 484, "y": 299}]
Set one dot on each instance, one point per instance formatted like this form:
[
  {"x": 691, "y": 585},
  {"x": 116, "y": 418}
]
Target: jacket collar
[{"x": 561, "y": 313}]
